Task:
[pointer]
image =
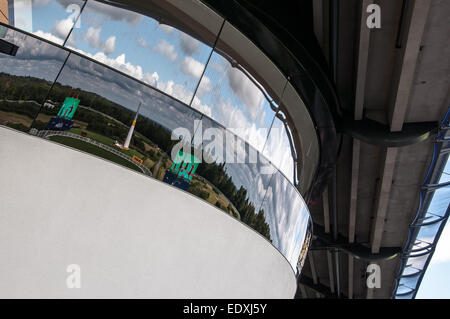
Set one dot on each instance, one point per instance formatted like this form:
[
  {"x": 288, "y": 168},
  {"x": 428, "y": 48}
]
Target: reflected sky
[
  {"x": 244, "y": 106},
  {"x": 82, "y": 73},
  {"x": 33, "y": 58},
  {"x": 288, "y": 217},
  {"x": 165, "y": 58},
  {"x": 235, "y": 101},
  {"x": 248, "y": 175},
  {"x": 157, "y": 54},
  {"x": 51, "y": 20},
  {"x": 438, "y": 206},
  {"x": 278, "y": 149}
]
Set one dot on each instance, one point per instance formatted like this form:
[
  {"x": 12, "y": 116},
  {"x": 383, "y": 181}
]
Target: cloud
[
  {"x": 235, "y": 120},
  {"x": 247, "y": 92},
  {"x": 59, "y": 32},
  {"x": 109, "y": 12},
  {"x": 62, "y": 27},
  {"x": 188, "y": 44},
  {"x": 171, "y": 88},
  {"x": 142, "y": 43},
  {"x": 166, "y": 28},
  {"x": 121, "y": 64},
  {"x": 192, "y": 67},
  {"x": 278, "y": 150},
  {"x": 151, "y": 79},
  {"x": 166, "y": 49},
  {"x": 203, "y": 108},
  {"x": 176, "y": 90},
  {"x": 110, "y": 45},
  {"x": 93, "y": 38},
  {"x": 30, "y": 48},
  {"x": 205, "y": 86},
  {"x": 49, "y": 36}
]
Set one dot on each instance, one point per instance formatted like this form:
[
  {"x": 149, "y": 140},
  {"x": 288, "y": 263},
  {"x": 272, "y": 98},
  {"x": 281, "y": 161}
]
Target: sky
[
  {"x": 168, "y": 60},
  {"x": 436, "y": 281}
]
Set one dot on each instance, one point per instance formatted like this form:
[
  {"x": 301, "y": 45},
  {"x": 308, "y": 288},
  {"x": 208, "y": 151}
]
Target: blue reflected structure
[{"x": 432, "y": 215}]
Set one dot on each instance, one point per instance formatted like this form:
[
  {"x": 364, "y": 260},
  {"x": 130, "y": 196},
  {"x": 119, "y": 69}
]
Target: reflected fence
[{"x": 56, "y": 93}]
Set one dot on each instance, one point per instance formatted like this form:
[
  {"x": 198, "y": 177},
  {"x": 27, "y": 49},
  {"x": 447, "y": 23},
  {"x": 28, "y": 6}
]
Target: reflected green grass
[
  {"x": 92, "y": 149},
  {"x": 105, "y": 140}
]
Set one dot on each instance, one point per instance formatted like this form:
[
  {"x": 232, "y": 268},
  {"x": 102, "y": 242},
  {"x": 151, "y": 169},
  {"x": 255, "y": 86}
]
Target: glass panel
[
  {"x": 278, "y": 149},
  {"x": 139, "y": 46},
  {"x": 107, "y": 106},
  {"x": 410, "y": 281},
  {"x": 409, "y": 270},
  {"x": 417, "y": 262},
  {"x": 232, "y": 99},
  {"x": 439, "y": 203},
  {"x": 98, "y": 110},
  {"x": 418, "y": 244},
  {"x": 51, "y": 20},
  {"x": 287, "y": 215},
  {"x": 445, "y": 177},
  {"x": 26, "y": 77},
  {"x": 428, "y": 232},
  {"x": 237, "y": 171},
  {"x": 408, "y": 296}
]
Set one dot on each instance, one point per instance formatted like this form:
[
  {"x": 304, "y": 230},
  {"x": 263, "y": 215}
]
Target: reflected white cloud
[
  {"x": 247, "y": 92},
  {"x": 278, "y": 149},
  {"x": 287, "y": 216},
  {"x": 108, "y": 13},
  {"x": 62, "y": 27},
  {"x": 49, "y": 36},
  {"x": 192, "y": 67},
  {"x": 166, "y": 49},
  {"x": 189, "y": 45},
  {"x": 93, "y": 38},
  {"x": 166, "y": 28}
]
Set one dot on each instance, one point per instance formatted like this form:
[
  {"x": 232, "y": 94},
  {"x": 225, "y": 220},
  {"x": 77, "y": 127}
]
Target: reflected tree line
[
  {"x": 217, "y": 175},
  {"x": 24, "y": 95}
]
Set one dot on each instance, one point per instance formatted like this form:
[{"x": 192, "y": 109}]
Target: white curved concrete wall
[{"x": 132, "y": 236}]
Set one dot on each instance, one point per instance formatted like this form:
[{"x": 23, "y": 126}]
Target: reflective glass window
[
  {"x": 409, "y": 281},
  {"x": 26, "y": 77},
  {"x": 287, "y": 215},
  {"x": 427, "y": 233},
  {"x": 445, "y": 177},
  {"x": 141, "y": 47},
  {"x": 107, "y": 110},
  {"x": 417, "y": 262},
  {"x": 278, "y": 149},
  {"x": 238, "y": 170},
  {"x": 47, "y": 19},
  {"x": 230, "y": 97}
]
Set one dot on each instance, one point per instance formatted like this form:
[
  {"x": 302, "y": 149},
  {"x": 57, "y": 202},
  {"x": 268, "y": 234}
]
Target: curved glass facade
[
  {"x": 100, "y": 103},
  {"x": 166, "y": 59}
]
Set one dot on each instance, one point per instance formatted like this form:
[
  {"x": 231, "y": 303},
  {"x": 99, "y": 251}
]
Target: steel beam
[
  {"x": 323, "y": 240},
  {"x": 382, "y": 198}
]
